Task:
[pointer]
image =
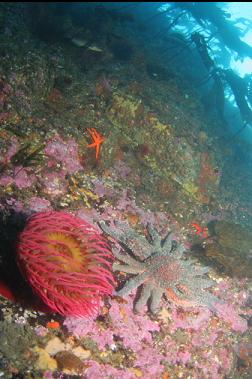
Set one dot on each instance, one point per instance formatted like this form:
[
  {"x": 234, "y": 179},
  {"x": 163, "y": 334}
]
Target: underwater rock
[
  {"x": 44, "y": 361},
  {"x": 124, "y": 109},
  {"x": 232, "y": 249},
  {"x": 121, "y": 49},
  {"x": 68, "y": 360},
  {"x": 79, "y": 42},
  {"x": 16, "y": 345},
  {"x": 234, "y": 236},
  {"x": 158, "y": 72}
]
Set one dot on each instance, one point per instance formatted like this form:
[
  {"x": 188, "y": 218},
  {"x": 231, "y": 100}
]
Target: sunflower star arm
[
  {"x": 156, "y": 296},
  {"x": 203, "y": 283},
  {"x": 198, "y": 270},
  {"x": 125, "y": 268},
  {"x": 125, "y": 258},
  {"x": 167, "y": 243},
  {"x": 180, "y": 290},
  {"x": 203, "y": 270},
  {"x": 121, "y": 232},
  {"x": 131, "y": 237},
  {"x": 179, "y": 251},
  {"x": 116, "y": 234},
  {"x": 155, "y": 237},
  {"x": 126, "y": 236},
  {"x": 132, "y": 284},
  {"x": 207, "y": 299},
  {"x": 144, "y": 296}
]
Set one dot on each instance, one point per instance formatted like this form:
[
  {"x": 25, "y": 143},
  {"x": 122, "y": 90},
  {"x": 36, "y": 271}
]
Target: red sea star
[{"x": 98, "y": 139}]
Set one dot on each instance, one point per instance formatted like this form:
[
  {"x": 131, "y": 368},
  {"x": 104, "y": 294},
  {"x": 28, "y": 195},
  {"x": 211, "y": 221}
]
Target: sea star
[
  {"x": 162, "y": 271},
  {"x": 98, "y": 139}
]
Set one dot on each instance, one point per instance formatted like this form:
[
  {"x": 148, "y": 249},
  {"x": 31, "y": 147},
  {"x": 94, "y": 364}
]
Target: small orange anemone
[{"x": 67, "y": 262}]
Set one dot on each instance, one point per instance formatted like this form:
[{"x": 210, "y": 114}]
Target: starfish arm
[
  {"x": 97, "y": 151},
  {"x": 132, "y": 284},
  {"x": 144, "y": 296},
  {"x": 156, "y": 296},
  {"x": 168, "y": 243},
  {"x": 95, "y": 134},
  {"x": 155, "y": 237},
  {"x": 98, "y": 139},
  {"x": 126, "y": 269},
  {"x": 128, "y": 260},
  {"x": 120, "y": 235},
  {"x": 177, "y": 298},
  {"x": 200, "y": 271},
  {"x": 207, "y": 299},
  {"x": 127, "y": 236},
  {"x": 179, "y": 251},
  {"x": 203, "y": 283},
  {"x": 92, "y": 145}
]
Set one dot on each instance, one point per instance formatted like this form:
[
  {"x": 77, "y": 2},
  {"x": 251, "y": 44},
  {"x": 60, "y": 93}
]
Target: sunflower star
[{"x": 163, "y": 270}]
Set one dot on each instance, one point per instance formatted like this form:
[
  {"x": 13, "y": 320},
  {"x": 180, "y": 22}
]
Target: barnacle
[{"x": 163, "y": 270}]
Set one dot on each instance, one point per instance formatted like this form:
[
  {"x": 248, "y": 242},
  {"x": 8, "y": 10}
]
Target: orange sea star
[
  {"x": 199, "y": 230},
  {"x": 98, "y": 139}
]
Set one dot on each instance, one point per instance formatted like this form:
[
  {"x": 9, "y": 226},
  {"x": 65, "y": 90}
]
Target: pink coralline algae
[
  {"x": 37, "y": 204},
  {"x": 233, "y": 305},
  {"x": 125, "y": 320},
  {"x": 80, "y": 327},
  {"x": 16, "y": 205},
  {"x": 133, "y": 329},
  {"x": 215, "y": 363},
  {"x": 21, "y": 177},
  {"x": 64, "y": 152},
  {"x": 54, "y": 184},
  {"x": 6, "y": 155},
  {"x": 66, "y": 262},
  {"x": 195, "y": 321},
  {"x": 228, "y": 313},
  {"x": 149, "y": 360},
  {"x": 96, "y": 370},
  {"x": 122, "y": 170}
]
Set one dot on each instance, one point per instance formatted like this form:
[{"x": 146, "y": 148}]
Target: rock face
[
  {"x": 234, "y": 236},
  {"x": 232, "y": 249}
]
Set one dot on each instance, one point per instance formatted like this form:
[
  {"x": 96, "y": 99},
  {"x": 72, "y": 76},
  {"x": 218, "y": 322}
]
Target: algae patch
[{"x": 16, "y": 345}]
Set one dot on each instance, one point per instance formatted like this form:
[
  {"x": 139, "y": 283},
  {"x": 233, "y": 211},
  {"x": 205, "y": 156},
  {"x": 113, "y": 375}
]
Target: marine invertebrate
[
  {"x": 162, "y": 271},
  {"x": 200, "y": 230},
  {"x": 98, "y": 139},
  {"x": 66, "y": 261}
]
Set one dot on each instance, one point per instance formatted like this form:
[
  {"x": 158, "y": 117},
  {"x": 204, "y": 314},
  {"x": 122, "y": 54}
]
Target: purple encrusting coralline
[
  {"x": 54, "y": 184},
  {"x": 20, "y": 176},
  {"x": 38, "y": 204},
  {"x": 64, "y": 152},
  {"x": 122, "y": 321},
  {"x": 203, "y": 348}
]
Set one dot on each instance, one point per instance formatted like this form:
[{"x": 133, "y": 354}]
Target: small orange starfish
[
  {"x": 98, "y": 139},
  {"x": 199, "y": 230}
]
